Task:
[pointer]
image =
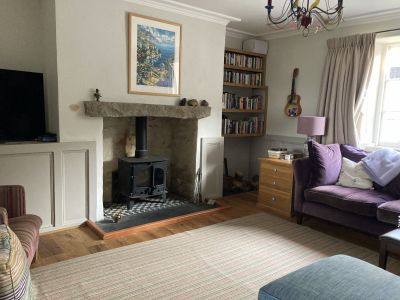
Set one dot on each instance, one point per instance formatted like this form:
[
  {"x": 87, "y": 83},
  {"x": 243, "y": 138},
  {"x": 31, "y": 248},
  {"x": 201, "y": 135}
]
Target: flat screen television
[{"x": 22, "y": 112}]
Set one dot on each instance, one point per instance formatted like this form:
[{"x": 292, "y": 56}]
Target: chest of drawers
[{"x": 276, "y": 186}]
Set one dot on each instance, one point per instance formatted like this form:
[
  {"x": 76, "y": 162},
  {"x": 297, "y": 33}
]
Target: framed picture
[{"x": 154, "y": 56}]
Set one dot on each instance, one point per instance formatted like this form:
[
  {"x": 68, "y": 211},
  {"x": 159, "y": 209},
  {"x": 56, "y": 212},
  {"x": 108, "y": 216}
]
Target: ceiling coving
[{"x": 307, "y": 16}]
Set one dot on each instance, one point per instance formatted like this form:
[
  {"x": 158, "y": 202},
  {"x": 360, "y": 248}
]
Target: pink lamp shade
[{"x": 311, "y": 126}]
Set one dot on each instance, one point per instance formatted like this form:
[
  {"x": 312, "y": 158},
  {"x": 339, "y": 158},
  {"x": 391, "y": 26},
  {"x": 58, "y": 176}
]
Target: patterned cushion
[{"x": 15, "y": 282}]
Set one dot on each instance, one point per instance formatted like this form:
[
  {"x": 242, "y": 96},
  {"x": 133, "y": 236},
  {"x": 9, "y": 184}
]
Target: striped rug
[{"x": 229, "y": 260}]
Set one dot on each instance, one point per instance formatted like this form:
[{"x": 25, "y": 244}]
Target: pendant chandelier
[{"x": 307, "y": 16}]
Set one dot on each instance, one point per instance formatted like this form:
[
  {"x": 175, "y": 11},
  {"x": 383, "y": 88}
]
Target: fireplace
[
  {"x": 142, "y": 176},
  {"x": 172, "y": 133}
]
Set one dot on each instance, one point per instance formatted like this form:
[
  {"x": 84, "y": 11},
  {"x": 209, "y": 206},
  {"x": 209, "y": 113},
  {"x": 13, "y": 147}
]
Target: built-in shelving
[{"x": 240, "y": 68}]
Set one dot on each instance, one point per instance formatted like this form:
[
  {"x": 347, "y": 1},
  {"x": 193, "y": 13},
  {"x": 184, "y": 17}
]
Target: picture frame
[{"x": 154, "y": 62}]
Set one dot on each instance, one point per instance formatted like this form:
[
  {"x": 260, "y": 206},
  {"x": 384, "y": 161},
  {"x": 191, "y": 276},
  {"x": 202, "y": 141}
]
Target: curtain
[{"x": 346, "y": 75}]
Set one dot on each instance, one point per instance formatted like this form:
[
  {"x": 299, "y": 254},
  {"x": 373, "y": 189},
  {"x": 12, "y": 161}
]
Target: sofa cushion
[
  {"x": 361, "y": 202},
  {"x": 15, "y": 282},
  {"x": 336, "y": 277},
  {"x": 326, "y": 163},
  {"x": 353, "y": 153},
  {"x": 353, "y": 175},
  {"x": 393, "y": 187},
  {"x": 389, "y": 212},
  {"x": 27, "y": 229}
]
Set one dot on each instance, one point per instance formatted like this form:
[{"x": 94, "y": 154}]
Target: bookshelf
[{"x": 245, "y": 95}]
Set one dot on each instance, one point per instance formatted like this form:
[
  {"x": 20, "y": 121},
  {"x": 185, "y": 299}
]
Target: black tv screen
[{"x": 22, "y": 116}]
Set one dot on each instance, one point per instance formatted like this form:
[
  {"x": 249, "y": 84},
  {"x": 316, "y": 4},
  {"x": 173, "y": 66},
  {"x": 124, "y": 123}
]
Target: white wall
[
  {"x": 92, "y": 53},
  {"x": 309, "y": 55},
  {"x": 59, "y": 180},
  {"x": 27, "y": 39},
  {"x": 49, "y": 53}
]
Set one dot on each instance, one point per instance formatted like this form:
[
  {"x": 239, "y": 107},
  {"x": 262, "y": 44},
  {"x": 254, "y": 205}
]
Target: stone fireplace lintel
[{"x": 118, "y": 109}]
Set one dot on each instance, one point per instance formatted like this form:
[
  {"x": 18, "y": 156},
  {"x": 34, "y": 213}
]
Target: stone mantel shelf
[{"x": 117, "y": 109}]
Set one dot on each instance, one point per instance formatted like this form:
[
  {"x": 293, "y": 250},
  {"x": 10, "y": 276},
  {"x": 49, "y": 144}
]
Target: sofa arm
[
  {"x": 12, "y": 198},
  {"x": 302, "y": 172}
]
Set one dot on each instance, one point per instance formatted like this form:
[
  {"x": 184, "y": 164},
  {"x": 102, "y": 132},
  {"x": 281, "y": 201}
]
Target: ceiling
[{"x": 253, "y": 14}]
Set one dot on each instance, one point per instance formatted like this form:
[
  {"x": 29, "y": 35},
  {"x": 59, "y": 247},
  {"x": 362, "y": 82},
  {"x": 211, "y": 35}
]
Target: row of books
[
  {"x": 247, "y": 126},
  {"x": 244, "y": 61},
  {"x": 243, "y": 78},
  {"x": 233, "y": 101}
]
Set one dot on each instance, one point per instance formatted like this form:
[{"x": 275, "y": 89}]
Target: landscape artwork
[{"x": 154, "y": 66}]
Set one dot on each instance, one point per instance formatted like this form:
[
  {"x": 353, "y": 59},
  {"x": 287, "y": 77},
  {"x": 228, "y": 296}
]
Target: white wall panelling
[
  {"x": 212, "y": 156},
  {"x": 59, "y": 180}
]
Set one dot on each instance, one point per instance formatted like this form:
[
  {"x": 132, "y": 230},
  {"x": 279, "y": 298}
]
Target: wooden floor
[{"x": 71, "y": 243}]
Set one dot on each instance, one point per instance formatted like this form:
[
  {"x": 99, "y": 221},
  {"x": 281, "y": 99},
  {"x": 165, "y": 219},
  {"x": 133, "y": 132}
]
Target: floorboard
[{"x": 76, "y": 242}]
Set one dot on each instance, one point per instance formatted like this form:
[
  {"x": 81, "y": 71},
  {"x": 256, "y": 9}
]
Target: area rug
[{"x": 229, "y": 260}]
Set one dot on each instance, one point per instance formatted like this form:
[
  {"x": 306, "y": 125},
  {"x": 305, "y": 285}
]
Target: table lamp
[{"x": 312, "y": 127}]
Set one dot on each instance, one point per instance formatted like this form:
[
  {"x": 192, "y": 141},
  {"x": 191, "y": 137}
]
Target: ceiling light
[{"x": 307, "y": 16}]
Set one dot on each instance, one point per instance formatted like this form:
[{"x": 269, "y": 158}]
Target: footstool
[
  {"x": 389, "y": 243},
  {"x": 337, "y": 277}
]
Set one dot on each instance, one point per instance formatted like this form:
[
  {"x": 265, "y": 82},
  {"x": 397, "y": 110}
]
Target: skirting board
[{"x": 132, "y": 230}]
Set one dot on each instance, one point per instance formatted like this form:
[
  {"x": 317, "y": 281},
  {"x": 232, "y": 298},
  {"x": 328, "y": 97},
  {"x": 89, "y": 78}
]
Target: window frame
[{"x": 382, "y": 81}]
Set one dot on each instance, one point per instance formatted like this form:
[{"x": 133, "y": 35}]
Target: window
[{"x": 380, "y": 123}]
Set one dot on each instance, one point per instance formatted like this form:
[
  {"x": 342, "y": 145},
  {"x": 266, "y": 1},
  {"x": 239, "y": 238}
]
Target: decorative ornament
[
  {"x": 183, "y": 102},
  {"x": 116, "y": 217},
  {"x": 97, "y": 95},
  {"x": 204, "y": 103},
  {"x": 193, "y": 102}
]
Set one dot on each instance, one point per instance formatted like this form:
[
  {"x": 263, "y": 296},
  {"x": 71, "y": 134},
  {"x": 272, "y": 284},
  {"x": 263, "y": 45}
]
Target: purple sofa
[{"x": 371, "y": 211}]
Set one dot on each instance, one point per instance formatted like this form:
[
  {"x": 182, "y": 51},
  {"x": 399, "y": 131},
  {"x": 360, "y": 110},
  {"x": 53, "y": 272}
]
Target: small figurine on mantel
[{"x": 97, "y": 95}]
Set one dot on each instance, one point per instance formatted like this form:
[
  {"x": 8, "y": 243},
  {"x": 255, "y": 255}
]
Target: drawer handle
[
  {"x": 275, "y": 170},
  {"x": 274, "y": 183},
  {"x": 273, "y": 198}
]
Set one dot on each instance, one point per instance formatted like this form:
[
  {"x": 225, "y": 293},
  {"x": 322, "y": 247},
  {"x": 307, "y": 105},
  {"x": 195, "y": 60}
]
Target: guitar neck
[{"x": 293, "y": 92}]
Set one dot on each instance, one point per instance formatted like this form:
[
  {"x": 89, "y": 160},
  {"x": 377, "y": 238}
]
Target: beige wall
[
  {"x": 92, "y": 53},
  {"x": 27, "y": 39},
  {"x": 308, "y": 54},
  {"x": 21, "y": 35}
]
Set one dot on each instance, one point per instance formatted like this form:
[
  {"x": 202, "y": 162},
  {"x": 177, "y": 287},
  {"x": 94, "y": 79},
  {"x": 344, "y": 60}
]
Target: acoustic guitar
[{"x": 293, "y": 107}]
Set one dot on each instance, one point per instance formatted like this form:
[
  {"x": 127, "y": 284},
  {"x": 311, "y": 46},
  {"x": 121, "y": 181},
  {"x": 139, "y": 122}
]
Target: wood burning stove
[{"x": 142, "y": 176}]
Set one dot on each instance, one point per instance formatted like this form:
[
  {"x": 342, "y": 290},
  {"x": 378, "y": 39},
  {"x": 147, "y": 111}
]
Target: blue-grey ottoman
[{"x": 337, "y": 277}]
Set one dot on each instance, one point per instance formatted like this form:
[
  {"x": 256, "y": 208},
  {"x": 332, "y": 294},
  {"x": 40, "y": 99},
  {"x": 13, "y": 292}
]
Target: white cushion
[{"x": 354, "y": 175}]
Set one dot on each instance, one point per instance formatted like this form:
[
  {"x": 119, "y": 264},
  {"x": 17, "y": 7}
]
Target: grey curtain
[{"x": 346, "y": 74}]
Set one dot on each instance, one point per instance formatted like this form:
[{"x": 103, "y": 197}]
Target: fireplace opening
[{"x": 142, "y": 176}]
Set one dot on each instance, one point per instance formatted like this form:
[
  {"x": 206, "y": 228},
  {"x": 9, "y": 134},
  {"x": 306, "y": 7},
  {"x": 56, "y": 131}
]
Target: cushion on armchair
[
  {"x": 326, "y": 163},
  {"x": 15, "y": 281}
]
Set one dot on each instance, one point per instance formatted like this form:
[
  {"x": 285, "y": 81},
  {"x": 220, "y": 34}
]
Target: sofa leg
[{"x": 299, "y": 218}]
